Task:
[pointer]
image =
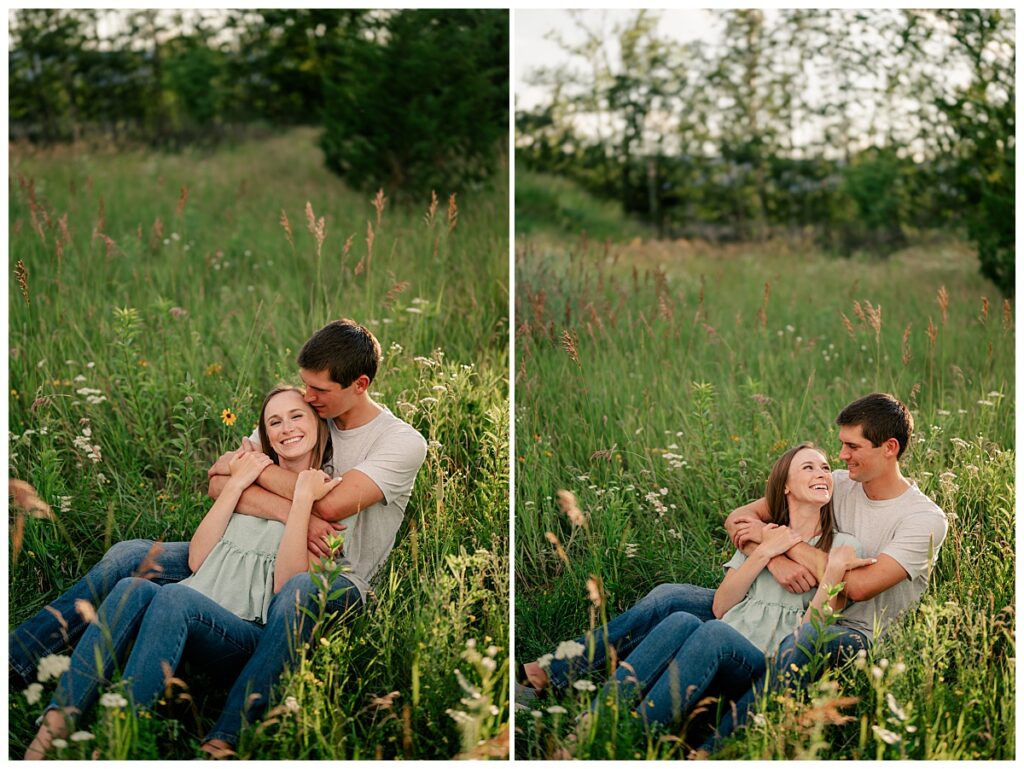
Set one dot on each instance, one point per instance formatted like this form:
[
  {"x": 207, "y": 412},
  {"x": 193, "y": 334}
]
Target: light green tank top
[
  {"x": 768, "y": 613},
  {"x": 239, "y": 571}
]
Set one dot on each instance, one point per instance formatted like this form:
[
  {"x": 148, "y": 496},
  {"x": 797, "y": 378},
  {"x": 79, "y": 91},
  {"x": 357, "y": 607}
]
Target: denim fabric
[
  {"x": 58, "y": 626},
  {"x": 179, "y": 616},
  {"x": 797, "y": 668},
  {"x": 104, "y": 644},
  {"x": 287, "y": 625},
  {"x": 628, "y": 629}
]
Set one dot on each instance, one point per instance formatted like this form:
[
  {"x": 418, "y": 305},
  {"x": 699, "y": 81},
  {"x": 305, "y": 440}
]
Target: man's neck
[
  {"x": 361, "y": 414},
  {"x": 887, "y": 486}
]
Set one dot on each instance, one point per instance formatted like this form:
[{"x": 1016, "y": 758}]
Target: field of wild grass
[
  {"x": 658, "y": 381},
  {"x": 151, "y": 293}
]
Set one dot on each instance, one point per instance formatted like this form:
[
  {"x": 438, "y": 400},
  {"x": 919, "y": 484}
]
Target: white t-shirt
[
  {"x": 389, "y": 452},
  {"x": 910, "y": 529}
]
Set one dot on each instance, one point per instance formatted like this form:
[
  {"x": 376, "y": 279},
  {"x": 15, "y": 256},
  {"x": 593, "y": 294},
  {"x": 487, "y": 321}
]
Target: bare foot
[
  {"x": 54, "y": 725},
  {"x": 217, "y": 749},
  {"x": 536, "y": 676}
]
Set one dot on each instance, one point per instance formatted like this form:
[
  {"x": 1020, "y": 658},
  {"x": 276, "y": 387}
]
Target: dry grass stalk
[
  {"x": 37, "y": 225},
  {"x": 86, "y": 611},
  {"x": 25, "y": 499},
  {"x": 942, "y": 299},
  {"x": 22, "y": 275},
  {"x": 378, "y": 205},
  {"x": 906, "y": 345},
  {"x": 983, "y": 317},
  {"x": 287, "y": 227},
  {"x": 858, "y": 311},
  {"x": 149, "y": 568},
  {"x": 316, "y": 226},
  {"x": 348, "y": 246},
  {"x": 595, "y": 591},
  {"x": 428, "y": 218},
  {"x": 569, "y": 345},
  {"x": 551, "y": 537},
  {"x": 933, "y": 332},
  {"x": 1007, "y": 315},
  {"x": 453, "y": 213},
  {"x": 182, "y": 200},
  {"x": 496, "y": 747},
  {"x": 394, "y": 292},
  {"x": 874, "y": 318},
  {"x": 567, "y": 504},
  {"x": 762, "y": 314},
  {"x": 17, "y": 537},
  {"x": 848, "y": 324},
  {"x": 101, "y": 220}
]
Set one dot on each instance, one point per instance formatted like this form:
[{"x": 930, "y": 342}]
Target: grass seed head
[{"x": 22, "y": 275}]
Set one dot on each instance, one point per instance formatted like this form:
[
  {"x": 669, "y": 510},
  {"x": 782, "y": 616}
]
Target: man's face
[
  {"x": 864, "y": 461},
  {"x": 326, "y": 396}
]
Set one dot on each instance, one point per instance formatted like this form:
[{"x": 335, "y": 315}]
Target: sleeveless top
[
  {"x": 239, "y": 572},
  {"x": 768, "y": 613}
]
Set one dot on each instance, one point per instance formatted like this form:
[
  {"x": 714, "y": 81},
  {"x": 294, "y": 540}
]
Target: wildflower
[
  {"x": 143, "y": 363},
  {"x": 899, "y": 667},
  {"x": 895, "y": 707},
  {"x": 213, "y": 369},
  {"x": 876, "y": 672},
  {"x": 986, "y": 403},
  {"x": 557, "y": 710},
  {"x": 82, "y": 736},
  {"x": 568, "y": 650},
  {"x": 428, "y": 401},
  {"x": 79, "y": 379},
  {"x": 113, "y": 700},
  {"x": 545, "y": 661},
  {"x": 228, "y": 417},
  {"x": 33, "y": 693},
  {"x": 291, "y": 704},
  {"x": 53, "y": 666},
  {"x": 889, "y": 738},
  {"x": 414, "y": 310},
  {"x": 178, "y": 312},
  {"x": 759, "y": 719},
  {"x": 59, "y": 743},
  {"x": 440, "y": 388},
  {"x": 995, "y": 394},
  {"x": 584, "y": 686}
]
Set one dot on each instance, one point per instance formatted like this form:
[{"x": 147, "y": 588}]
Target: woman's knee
[
  {"x": 128, "y": 554},
  {"x": 681, "y": 623}
]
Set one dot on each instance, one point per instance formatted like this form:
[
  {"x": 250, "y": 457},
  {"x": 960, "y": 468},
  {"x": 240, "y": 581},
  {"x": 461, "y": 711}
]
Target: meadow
[
  {"x": 659, "y": 380},
  {"x": 154, "y": 299}
]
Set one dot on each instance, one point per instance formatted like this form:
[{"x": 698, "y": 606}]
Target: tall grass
[
  {"x": 158, "y": 292},
  {"x": 660, "y": 380}
]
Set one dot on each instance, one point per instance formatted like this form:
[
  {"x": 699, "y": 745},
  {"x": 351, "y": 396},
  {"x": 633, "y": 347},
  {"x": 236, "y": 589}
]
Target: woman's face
[
  {"x": 810, "y": 478},
  {"x": 291, "y": 425}
]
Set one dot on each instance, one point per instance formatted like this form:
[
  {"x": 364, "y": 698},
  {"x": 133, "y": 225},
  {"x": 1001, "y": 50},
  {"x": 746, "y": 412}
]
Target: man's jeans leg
[
  {"x": 58, "y": 626},
  {"x": 104, "y": 644},
  {"x": 288, "y": 628},
  {"x": 627, "y": 630},
  {"x": 796, "y": 666}
]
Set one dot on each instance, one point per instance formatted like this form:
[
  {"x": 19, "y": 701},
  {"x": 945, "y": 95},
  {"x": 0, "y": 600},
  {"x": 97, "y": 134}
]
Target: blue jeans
[
  {"x": 626, "y": 631},
  {"x": 162, "y": 620},
  {"x": 797, "y": 663},
  {"x": 58, "y": 626},
  {"x": 288, "y": 627},
  {"x": 682, "y": 660}
]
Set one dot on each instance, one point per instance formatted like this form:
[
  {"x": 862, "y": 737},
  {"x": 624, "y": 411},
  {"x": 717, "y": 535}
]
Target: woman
[
  {"x": 681, "y": 659},
  {"x": 238, "y": 562}
]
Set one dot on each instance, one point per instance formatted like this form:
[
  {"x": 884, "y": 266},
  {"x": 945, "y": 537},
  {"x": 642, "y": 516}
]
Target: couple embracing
[
  {"x": 855, "y": 544},
  {"x": 238, "y": 597}
]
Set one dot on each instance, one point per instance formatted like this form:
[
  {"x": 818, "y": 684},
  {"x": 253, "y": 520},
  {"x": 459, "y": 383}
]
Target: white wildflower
[
  {"x": 113, "y": 700},
  {"x": 584, "y": 686},
  {"x": 544, "y": 662},
  {"x": 889, "y": 738},
  {"x": 568, "y": 650},
  {"x": 59, "y": 743},
  {"x": 33, "y": 693},
  {"x": 895, "y": 707},
  {"x": 414, "y": 310},
  {"x": 557, "y": 709},
  {"x": 53, "y": 666},
  {"x": 291, "y": 704},
  {"x": 82, "y": 736}
]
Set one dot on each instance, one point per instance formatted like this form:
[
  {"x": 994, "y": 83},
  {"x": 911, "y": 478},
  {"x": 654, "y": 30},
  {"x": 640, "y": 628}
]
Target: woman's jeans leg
[
  {"x": 628, "y": 629},
  {"x": 713, "y": 652},
  {"x": 179, "y": 616},
  {"x": 798, "y": 661},
  {"x": 288, "y": 627},
  {"x": 104, "y": 643},
  {"x": 59, "y": 625}
]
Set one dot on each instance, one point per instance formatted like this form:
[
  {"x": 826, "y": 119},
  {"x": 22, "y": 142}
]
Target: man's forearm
[
  {"x": 811, "y": 558},
  {"x": 255, "y": 501}
]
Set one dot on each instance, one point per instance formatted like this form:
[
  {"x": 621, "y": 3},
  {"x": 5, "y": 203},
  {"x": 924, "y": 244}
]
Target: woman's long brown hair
[
  {"x": 778, "y": 507},
  {"x": 323, "y": 433}
]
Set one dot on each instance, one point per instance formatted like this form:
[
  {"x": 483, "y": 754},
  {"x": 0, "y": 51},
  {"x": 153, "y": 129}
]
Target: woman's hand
[
  {"x": 776, "y": 540},
  {"x": 841, "y": 559},
  {"x": 315, "y": 484},
  {"x": 246, "y": 466}
]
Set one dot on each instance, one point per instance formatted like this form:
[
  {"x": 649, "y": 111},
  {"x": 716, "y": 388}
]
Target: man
[
  {"x": 376, "y": 454},
  {"x": 890, "y": 516}
]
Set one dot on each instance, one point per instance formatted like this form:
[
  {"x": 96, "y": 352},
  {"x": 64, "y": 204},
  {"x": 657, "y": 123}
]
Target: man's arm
[
  {"x": 865, "y": 583},
  {"x": 356, "y": 492},
  {"x": 798, "y": 570}
]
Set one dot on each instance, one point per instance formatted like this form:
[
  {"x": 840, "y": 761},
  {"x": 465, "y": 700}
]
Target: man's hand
[
  {"x": 748, "y": 528},
  {"x": 317, "y": 534},
  {"x": 791, "y": 575},
  {"x": 222, "y": 465}
]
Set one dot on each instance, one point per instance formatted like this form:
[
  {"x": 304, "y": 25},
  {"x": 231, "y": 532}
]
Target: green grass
[
  {"x": 100, "y": 314},
  {"x": 677, "y": 372}
]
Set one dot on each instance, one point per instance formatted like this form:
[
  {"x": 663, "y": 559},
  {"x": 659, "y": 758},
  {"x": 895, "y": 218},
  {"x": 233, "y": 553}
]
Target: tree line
[
  {"x": 861, "y": 128},
  {"x": 409, "y": 100}
]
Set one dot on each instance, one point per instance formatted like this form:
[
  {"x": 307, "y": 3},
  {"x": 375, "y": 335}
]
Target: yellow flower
[
  {"x": 213, "y": 369},
  {"x": 143, "y": 363},
  {"x": 14, "y": 393},
  {"x": 228, "y": 417}
]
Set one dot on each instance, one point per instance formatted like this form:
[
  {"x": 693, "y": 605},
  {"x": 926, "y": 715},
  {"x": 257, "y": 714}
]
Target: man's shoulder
[{"x": 391, "y": 431}]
